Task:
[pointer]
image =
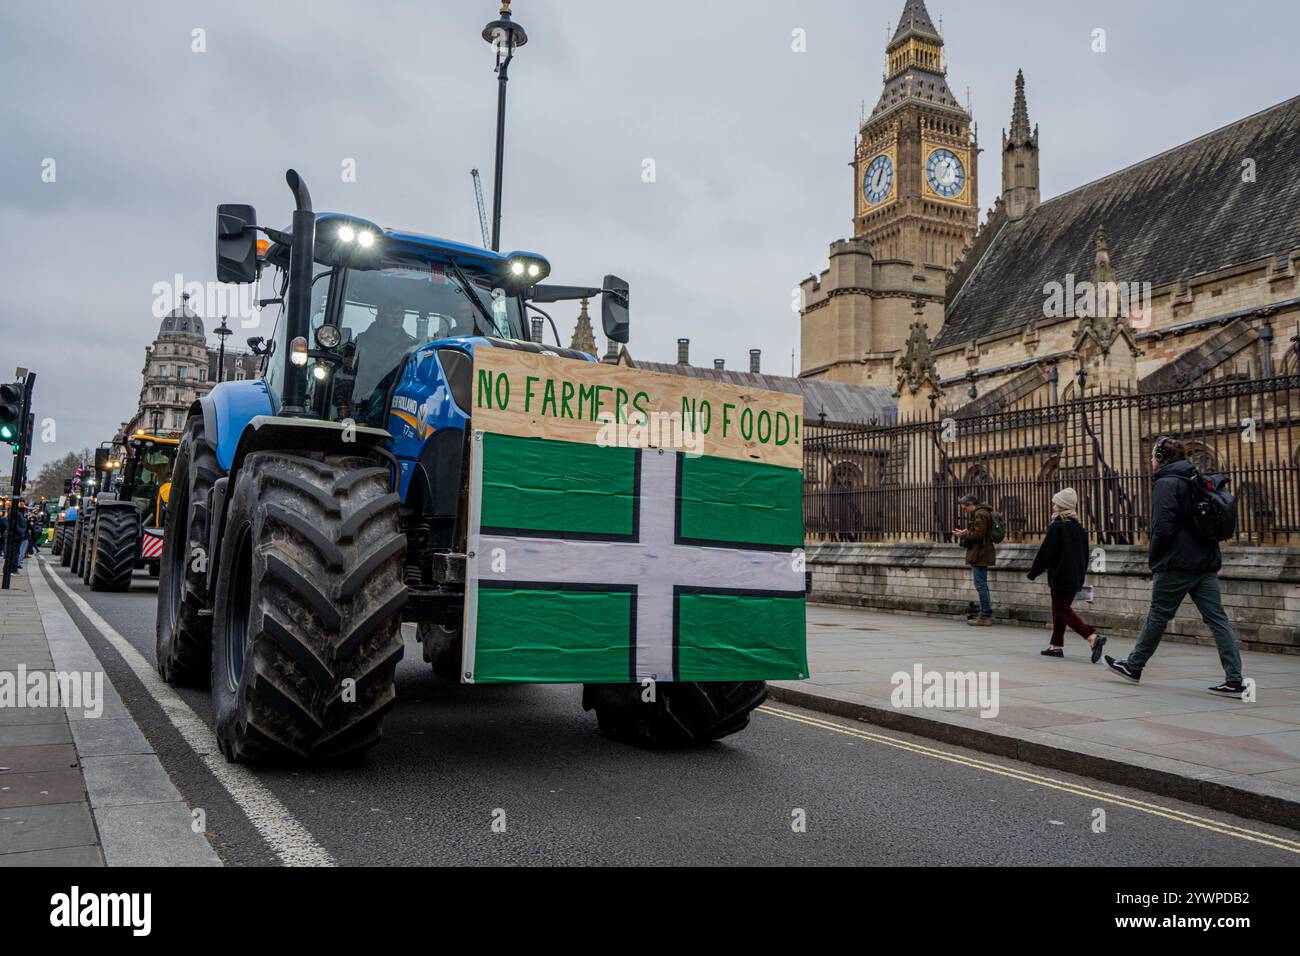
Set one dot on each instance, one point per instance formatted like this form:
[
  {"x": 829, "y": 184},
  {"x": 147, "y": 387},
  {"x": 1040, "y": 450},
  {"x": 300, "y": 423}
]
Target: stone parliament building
[
  {"x": 1048, "y": 345},
  {"x": 926, "y": 301}
]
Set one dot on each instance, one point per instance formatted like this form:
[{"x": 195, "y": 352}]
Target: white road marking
[{"x": 290, "y": 840}]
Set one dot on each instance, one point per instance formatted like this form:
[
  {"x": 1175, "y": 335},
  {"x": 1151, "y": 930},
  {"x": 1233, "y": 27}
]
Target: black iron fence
[{"x": 902, "y": 482}]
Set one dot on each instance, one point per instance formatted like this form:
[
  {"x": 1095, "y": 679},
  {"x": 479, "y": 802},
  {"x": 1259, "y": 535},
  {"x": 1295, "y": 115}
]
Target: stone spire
[
  {"x": 914, "y": 65},
  {"x": 1020, "y": 113},
  {"x": 584, "y": 337},
  {"x": 1020, "y": 191},
  {"x": 1103, "y": 322},
  {"x": 915, "y": 367}
]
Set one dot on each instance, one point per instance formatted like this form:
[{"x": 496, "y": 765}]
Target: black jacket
[
  {"x": 1174, "y": 546},
  {"x": 19, "y": 518},
  {"x": 1063, "y": 555}
]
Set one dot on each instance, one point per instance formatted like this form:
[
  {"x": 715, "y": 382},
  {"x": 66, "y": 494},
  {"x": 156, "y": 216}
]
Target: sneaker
[
  {"x": 1053, "y": 652},
  {"x": 980, "y": 620},
  {"x": 1229, "y": 688},
  {"x": 1097, "y": 645},
  {"x": 1123, "y": 670}
]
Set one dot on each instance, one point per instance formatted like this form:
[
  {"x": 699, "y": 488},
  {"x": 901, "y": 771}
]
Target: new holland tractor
[
  {"x": 126, "y": 530},
  {"x": 315, "y": 509}
]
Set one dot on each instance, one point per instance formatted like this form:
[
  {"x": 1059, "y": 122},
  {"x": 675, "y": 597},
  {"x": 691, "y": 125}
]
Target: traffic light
[{"x": 11, "y": 411}]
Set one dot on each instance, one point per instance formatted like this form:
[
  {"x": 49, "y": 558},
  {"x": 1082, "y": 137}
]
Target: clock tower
[
  {"x": 914, "y": 171},
  {"x": 915, "y": 212}
]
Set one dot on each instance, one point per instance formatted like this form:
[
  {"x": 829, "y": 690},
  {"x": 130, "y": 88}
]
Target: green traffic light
[{"x": 7, "y": 433}]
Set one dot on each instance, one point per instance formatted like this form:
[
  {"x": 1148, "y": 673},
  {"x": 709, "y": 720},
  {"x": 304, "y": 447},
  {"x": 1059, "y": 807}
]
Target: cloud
[{"x": 750, "y": 140}]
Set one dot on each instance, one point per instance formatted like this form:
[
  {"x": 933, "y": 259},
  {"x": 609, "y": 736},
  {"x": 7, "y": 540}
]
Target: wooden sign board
[{"x": 531, "y": 395}]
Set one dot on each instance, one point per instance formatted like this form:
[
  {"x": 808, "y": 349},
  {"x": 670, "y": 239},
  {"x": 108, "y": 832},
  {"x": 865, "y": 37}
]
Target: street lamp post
[
  {"x": 505, "y": 36},
  {"x": 222, "y": 330}
]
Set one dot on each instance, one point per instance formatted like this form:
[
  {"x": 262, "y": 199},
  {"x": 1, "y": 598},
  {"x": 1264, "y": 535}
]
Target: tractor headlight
[
  {"x": 298, "y": 351},
  {"x": 347, "y": 233},
  {"x": 527, "y": 267},
  {"x": 365, "y": 238},
  {"x": 320, "y": 372},
  {"x": 328, "y": 336}
]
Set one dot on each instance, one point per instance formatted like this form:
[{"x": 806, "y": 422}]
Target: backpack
[
  {"x": 1214, "y": 509},
  {"x": 997, "y": 526}
]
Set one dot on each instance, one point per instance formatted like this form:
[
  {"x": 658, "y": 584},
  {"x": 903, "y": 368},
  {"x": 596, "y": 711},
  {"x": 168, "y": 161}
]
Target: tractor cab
[
  {"x": 145, "y": 474},
  {"x": 377, "y": 298}
]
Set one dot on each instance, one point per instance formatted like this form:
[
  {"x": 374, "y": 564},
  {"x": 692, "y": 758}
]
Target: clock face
[
  {"x": 946, "y": 174},
  {"x": 879, "y": 180}
]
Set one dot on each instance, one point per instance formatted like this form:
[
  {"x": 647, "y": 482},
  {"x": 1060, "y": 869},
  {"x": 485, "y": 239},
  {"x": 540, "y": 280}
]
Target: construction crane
[{"x": 482, "y": 211}]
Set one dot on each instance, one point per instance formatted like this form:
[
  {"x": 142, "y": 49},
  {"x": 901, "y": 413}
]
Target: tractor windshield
[
  {"x": 153, "y": 470},
  {"x": 385, "y": 313}
]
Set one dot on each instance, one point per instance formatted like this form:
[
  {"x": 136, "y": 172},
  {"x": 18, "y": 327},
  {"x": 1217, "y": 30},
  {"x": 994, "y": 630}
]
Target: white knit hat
[{"x": 1067, "y": 499}]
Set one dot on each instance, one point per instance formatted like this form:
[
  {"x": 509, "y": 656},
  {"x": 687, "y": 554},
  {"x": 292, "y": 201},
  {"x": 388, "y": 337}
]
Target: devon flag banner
[{"x": 607, "y": 544}]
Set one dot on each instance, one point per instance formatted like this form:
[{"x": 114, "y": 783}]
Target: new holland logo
[{"x": 417, "y": 417}]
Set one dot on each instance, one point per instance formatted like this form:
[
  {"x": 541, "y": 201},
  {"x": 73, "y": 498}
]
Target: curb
[
  {"x": 1239, "y": 794},
  {"x": 140, "y": 817}
]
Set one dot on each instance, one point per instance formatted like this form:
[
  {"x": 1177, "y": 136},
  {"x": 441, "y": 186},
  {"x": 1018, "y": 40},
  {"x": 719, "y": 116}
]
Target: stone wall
[{"x": 1261, "y": 588}]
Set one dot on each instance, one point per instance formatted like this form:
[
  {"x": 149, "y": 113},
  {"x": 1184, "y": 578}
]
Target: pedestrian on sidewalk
[
  {"x": 1064, "y": 556},
  {"x": 1181, "y": 563},
  {"x": 19, "y": 518},
  {"x": 981, "y": 553}
]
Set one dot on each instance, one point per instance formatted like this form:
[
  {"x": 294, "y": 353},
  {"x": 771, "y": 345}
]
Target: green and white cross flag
[{"x": 591, "y": 564}]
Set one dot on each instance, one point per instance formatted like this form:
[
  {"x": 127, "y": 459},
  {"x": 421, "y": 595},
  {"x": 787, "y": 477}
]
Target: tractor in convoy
[
  {"x": 79, "y": 526},
  {"x": 65, "y": 521},
  {"x": 317, "y": 507},
  {"x": 126, "y": 530}
]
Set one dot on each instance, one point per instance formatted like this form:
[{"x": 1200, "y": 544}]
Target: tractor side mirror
[
  {"x": 613, "y": 309},
  {"x": 236, "y": 243}
]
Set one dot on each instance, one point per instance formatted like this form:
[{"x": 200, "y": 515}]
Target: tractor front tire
[
  {"x": 685, "y": 714},
  {"x": 184, "y": 631},
  {"x": 88, "y": 549},
  {"x": 117, "y": 539},
  {"x": 307, "y": 617},
  {"x": 69, "y": 540},
  {"x": 86, "y": 530}
]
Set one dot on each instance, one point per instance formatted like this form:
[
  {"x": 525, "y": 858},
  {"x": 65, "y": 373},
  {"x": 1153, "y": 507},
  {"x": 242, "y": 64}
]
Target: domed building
[{"x": 179, "y": 368}]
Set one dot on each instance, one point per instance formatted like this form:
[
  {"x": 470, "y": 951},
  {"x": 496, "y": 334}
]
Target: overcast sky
[{"x": 750, "y": 142}]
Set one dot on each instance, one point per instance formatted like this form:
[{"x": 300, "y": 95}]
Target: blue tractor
[{"x": 316, "y": 508}]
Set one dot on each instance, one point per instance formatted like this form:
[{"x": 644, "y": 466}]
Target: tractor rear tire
[
  {"x": 307, "y": 616},
  {"x": 56, "y": 541},
  {"x": 117, "y": 541},
  {"x": 184, "y": 631},
  {"x": 681, "y": 715}
]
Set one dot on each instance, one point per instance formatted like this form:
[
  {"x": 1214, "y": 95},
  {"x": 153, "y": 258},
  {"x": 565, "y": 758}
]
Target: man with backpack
[
  {"x": 984, "y": 529},
  {"x": 1190, "y": 514}
]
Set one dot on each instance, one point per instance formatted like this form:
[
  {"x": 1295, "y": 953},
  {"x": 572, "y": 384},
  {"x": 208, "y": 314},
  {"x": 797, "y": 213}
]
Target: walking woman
[{"x": 1064, "y": 556}]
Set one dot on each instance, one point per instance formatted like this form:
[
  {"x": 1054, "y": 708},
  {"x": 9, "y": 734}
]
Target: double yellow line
[{"x": 1154, "y": 809}]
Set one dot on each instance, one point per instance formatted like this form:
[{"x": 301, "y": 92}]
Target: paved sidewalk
[
  {"x": 1168, "y": 734},
  {"x": 85, "y": 788},
  {"x": 45, "y": 817}
]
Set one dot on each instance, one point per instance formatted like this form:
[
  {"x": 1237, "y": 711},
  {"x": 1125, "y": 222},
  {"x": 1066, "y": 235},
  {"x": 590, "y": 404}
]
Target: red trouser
[{"x": 1063, "y": 616}]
